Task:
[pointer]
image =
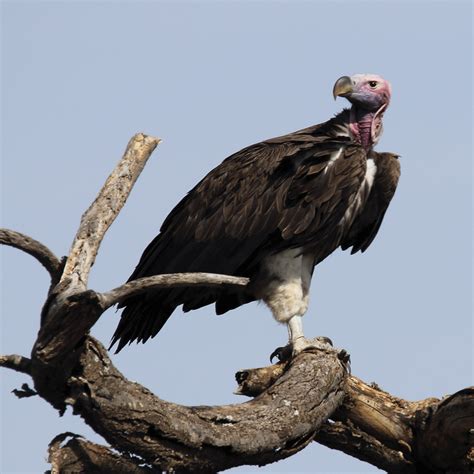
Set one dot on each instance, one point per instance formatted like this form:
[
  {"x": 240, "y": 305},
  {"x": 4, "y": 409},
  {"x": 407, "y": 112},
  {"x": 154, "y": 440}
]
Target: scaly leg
[
  {"x": 286, "y": 278},
  {"x": 297, "y": 342}
]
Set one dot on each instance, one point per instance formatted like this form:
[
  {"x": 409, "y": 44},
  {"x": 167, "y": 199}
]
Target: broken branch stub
[{"x": 105, "y": 208}]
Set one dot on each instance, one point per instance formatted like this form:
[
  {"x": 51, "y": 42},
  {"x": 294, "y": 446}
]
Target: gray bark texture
[{"x": 311, "y": 397}]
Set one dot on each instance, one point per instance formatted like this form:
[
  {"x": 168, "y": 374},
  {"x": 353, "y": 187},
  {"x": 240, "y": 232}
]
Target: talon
[
  {"x": 325, "y": 340},
  {"x": 318, "y": 343},
  {"x": 344, "y": 356},
  {"x": 281, "y": 353}
]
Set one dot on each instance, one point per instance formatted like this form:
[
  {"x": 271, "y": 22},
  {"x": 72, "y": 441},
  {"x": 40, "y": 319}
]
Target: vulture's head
[
  {"x": 367, "y": 91},
  {"x": 369, "y": 95}
]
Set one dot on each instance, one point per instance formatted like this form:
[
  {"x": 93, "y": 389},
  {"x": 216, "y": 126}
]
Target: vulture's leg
[
  {"x": 287, "y": 278},
  {"x": 298, "y": 343},
  {"x": 297, "y": 340}
]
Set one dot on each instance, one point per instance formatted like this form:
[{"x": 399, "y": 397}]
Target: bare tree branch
[
  {"x": 34, "y": 248},
  {"x": 275, "y": 425},
  {"x": 81, "y": 455},
  {"x": 386, "y": 441},
  {"x": 379, "y": 414},
  {"x": 16, "y": 362},
  {"x": 390, "y": 433},
  {"x": 349, "y": 439},
  {"x": 64, "y": 320},
  {"x": 105, "y": 208},
  {"x": 292, "y": 401},
  {"x": 142, "y": 285}
]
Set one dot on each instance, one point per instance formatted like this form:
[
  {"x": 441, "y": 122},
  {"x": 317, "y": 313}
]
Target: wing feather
[
  {"x": 367, "y": 223},
  {"x": 270, "y": 196}
]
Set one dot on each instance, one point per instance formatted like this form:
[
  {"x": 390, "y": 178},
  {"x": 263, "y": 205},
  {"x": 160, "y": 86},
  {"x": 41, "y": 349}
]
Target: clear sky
[{"x": 80, "y": 78}]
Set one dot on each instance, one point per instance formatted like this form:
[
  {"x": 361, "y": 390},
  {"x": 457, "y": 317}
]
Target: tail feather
[
  {"x": 144, "y": 315},
  {"x": 142, "y": 318}
]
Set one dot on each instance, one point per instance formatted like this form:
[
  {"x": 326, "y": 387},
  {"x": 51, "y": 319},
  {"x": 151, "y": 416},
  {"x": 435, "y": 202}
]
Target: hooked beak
[{"x": 342, "y": 87}]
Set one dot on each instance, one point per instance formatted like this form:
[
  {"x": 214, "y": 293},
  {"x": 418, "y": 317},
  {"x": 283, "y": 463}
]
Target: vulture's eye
[{"x": 373, "y": 84}]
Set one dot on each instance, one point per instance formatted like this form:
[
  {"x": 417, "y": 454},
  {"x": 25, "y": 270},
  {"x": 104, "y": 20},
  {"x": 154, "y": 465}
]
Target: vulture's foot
[
  {"x": 301, "y": 344},
  {"x": 319, "y": 343},
  {"x": 285, "y": 353}
]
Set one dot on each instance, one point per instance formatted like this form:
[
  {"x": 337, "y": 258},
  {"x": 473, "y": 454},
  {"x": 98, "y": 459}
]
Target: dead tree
[{"x": 309, "y": 398}]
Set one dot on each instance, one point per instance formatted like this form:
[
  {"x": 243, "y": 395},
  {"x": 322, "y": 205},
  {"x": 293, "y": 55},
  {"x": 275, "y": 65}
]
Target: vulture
[{"x": 271, "y": 212}]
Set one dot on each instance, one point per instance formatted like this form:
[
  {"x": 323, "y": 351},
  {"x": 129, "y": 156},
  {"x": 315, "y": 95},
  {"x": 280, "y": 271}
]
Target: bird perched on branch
[{"x": 271, "y": 212}]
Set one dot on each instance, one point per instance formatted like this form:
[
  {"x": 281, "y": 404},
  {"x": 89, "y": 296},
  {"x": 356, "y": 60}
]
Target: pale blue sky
[{"x": 80, "y": 78}]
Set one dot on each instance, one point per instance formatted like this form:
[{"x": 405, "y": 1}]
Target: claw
[
  {"x": 325, "y": 340},
  {"x": 285, "y": 353},
  {"x": 345, "y": 359},
  {"x": 282, "y": 353}
]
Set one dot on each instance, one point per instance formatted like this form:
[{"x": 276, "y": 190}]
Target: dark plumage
[{"x": 312, "y": 190}]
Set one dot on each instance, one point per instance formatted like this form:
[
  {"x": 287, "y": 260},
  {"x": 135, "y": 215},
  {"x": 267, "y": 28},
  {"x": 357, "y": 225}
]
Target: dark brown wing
[
  {"x": 366, "y": 225},
  {"x": 265, "y": 198}
]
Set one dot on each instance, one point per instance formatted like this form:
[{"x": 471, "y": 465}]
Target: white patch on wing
[
  {"x": 361, "y": 196},
  {"x": 335, "y": 155},
  {"x": 289, "y": 277},
  {"x": 370, "y": 172}
]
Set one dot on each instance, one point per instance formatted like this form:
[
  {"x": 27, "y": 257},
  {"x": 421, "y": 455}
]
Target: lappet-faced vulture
[{"x": 271, "y": 212}]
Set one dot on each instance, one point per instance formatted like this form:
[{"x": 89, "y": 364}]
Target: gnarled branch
[
  {"x": 390, "y": 433},
  {"x": 293, "y": 400},
  {"x": 346, "y": 437},
  {"x": 64, "y": 321},
  {"x": 34, "y": 248},
  {"x": 79, "y": 455},
  {"x": 142, "y": 285},
  {"x": 273, "y": 426}
]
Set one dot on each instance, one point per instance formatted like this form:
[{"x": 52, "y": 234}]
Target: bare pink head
[
  {"x": 369, "y": 95},
  {"x": 367, "y": 91}
]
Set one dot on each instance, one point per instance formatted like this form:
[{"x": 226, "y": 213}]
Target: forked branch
[{"x": 293, "y": 401}]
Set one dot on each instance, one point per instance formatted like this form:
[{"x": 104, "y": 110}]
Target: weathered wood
[
  {"x": 142, "y": 285},
  {"x": 445, "y": 434},
  {"x": 349, "y": 439},
  {"x": 273, "y": 426},
  {"x": 79, "y": 455},
  {"x": 391, "y": 433},
  {"x": 70, "y": 309},
  {"x": 34, "y": 248},
  {"x": 65, "y": 317},
  {"x": 379, "y": 414},
  {"x": 293, "y": 400},
  {"x": 105, "y": 208}
]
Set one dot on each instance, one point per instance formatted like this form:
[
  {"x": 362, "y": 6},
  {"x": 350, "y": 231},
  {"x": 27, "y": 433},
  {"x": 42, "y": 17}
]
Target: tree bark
[
  {"x": 80, "y": 455},
  {"x": 34, "y": 248},
  {"x": 311, "y": 397},
  {"x": 395, "y": 435}
]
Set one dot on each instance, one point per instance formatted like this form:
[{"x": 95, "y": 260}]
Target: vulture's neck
[
  {"x": 366, "y": 126},
  {"x": 362, "y": 126}
]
